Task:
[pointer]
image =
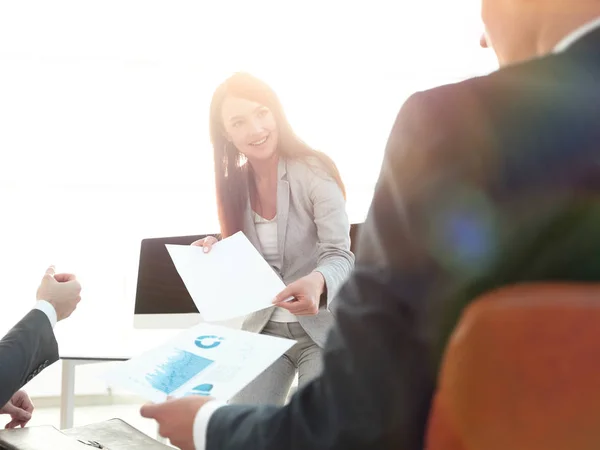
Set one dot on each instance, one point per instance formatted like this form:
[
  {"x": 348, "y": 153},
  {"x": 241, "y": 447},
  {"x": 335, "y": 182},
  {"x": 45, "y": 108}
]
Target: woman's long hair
[{"x": 233, "y": 176}]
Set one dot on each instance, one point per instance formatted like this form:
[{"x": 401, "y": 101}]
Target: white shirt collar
[{"x": 574, "y": 36}]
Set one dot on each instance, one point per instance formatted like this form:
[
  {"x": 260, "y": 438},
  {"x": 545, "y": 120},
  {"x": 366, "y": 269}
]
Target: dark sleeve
[
  {"x": 381, "y": 356},
  {"x": 27, "y": 349}
]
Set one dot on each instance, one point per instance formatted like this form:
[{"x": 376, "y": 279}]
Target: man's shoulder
[
  {"x": 497, "y": 103},
  {"x": 506, "y": 85},
  {"x": 486, "y": 124}
]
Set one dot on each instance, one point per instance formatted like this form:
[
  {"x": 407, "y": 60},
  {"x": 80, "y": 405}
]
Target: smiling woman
[
  {"x": 249, "y": 126},
  {"x": 289, "y": 200},
  {"x": 247, "y": 122}
]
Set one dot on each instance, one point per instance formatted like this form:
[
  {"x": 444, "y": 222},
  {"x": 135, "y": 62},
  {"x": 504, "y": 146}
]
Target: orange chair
[{"x": 522, "y": 372}]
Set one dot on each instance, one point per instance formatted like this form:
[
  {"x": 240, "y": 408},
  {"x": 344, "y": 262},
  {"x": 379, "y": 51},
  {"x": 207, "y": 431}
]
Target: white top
[
  {"x": 267, "y": 236},
  {"x": 577, "y": 34}
]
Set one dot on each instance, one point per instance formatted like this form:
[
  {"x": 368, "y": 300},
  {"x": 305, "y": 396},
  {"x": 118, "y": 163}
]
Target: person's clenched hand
[{"x": 61, "y": 290}]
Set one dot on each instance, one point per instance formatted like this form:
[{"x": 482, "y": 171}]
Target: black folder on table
[{"x": 113, "y": 434}]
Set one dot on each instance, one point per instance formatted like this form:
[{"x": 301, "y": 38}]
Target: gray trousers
[{"x": 273, "y": 385}]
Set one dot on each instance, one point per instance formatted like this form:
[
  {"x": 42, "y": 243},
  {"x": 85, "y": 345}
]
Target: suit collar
[
  {"x": 281, "y": 168},
  {"x": 249, "y": 227},
  {"x": 283, "y": 208},
  {"x": 585, "y": 39}
]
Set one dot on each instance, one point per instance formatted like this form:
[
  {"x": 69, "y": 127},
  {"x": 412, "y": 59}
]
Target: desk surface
[
  {"x": 105, "y": 344},
  {"x": 119, "y": 342}
]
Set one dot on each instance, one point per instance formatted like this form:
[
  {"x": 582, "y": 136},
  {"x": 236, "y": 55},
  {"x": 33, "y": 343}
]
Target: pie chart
[{"x": 207, "y": 342}]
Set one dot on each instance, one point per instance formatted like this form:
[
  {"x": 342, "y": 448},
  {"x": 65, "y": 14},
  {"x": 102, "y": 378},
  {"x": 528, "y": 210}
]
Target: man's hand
[
  {"x": 20, "y": 409},
  {"x": 61, "y": 290},
  {"x": 176, "y": 419},
  {"x": 306, "y": 294}
]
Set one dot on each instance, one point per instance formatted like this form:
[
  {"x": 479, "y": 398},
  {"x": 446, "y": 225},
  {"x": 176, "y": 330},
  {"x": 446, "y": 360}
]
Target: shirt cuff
[
  {"x": 201, "y": 422},
  {"x": 47, "y": 309}
]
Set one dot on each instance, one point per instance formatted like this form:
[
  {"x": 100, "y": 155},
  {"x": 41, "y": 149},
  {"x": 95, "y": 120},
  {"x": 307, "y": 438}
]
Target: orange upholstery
[{"x": 522, "y": 372}]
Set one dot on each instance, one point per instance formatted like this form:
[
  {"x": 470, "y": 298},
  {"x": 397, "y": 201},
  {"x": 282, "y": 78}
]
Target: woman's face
[{"x": 250, "y": 126}]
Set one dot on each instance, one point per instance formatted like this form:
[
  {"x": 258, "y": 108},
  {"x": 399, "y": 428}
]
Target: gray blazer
[{"x": 313, "y": 233}]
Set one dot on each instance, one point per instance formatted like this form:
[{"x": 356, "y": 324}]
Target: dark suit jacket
[
  {"x": 28, "y": 348},
  {"x": 488, "y": 182}
]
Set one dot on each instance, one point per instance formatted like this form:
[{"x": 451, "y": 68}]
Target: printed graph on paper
[{"x": 177, "y": 370}]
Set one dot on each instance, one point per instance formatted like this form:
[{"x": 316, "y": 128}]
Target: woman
[{"x": 289, "y": 200}]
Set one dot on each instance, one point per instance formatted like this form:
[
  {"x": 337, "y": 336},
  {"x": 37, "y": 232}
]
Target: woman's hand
[
  {"x": 206, "y": 243},
  {"x": 302, "y": 297}
]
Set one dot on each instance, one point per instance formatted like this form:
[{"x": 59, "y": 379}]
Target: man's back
[{"x": 510, "y": 169}]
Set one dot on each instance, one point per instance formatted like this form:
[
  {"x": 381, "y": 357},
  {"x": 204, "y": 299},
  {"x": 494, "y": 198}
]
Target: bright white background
[{"x": 104, "y": 109}]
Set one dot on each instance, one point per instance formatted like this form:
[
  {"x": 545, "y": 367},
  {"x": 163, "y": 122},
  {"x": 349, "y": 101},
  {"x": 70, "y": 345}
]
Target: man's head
[{"x": 519, "y": 30}]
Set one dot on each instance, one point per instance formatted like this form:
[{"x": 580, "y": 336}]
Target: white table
[{"x": 95, "y": 345}]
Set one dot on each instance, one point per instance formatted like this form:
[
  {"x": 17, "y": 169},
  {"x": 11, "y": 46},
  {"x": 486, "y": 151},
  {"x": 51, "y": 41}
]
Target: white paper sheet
[
  {"x": 204, "y": 360},
  {"x": 232, "y": 280}
]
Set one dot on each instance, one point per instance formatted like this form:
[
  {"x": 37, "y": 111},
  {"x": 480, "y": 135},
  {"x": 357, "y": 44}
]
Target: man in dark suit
[
  {"x": 30, "y": 346},
  {"x": 488, "y": 182}
]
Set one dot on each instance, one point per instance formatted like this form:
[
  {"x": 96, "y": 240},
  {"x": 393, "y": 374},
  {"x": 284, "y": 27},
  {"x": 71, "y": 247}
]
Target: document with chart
[
  {"x": 230, "y": 281},
  {"x": 206, "y": 360}
]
